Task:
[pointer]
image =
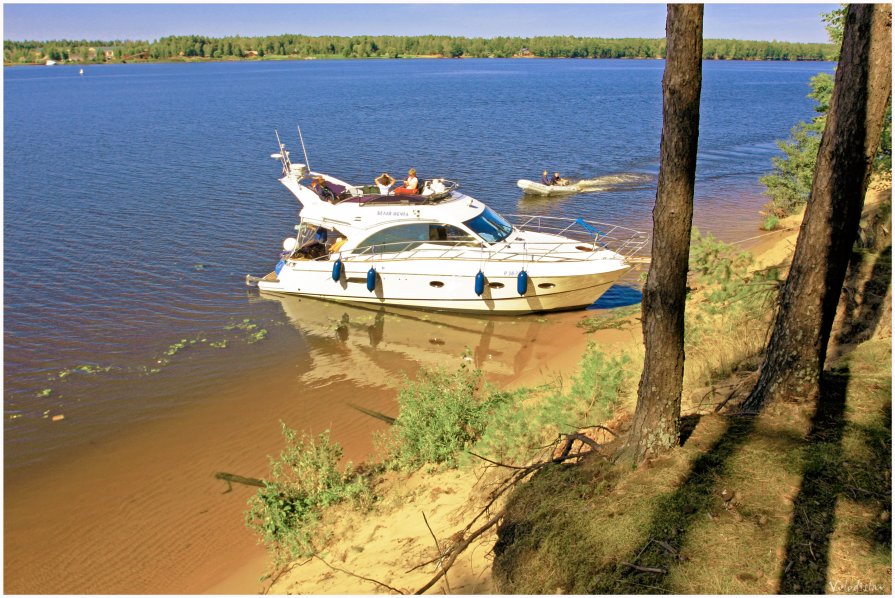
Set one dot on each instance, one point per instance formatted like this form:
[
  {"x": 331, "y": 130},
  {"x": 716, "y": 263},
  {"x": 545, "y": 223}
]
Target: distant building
[
  {"x": 107, "y": 53},
  {"x": 250, "y": 54}
]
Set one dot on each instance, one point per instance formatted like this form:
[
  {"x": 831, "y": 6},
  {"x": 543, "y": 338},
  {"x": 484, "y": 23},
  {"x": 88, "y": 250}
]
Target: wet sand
[{"x": 140, "y": 511}]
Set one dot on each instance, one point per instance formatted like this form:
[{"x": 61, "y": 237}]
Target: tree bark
[
  {"x": 657, "y": 419},
  {"x": 807, "y": 305}
]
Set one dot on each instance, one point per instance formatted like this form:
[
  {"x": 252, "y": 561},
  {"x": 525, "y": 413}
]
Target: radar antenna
[{"x": 283, "y": 155}]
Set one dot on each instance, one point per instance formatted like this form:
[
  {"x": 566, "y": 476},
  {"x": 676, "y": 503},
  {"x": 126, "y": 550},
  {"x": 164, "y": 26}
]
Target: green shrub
[
  {"x": 771, "y": 222},
  {"x": 724, "y": 273},
  {"x": 304, "y": 479},
  {"x": 440, "y": 414},
  {"x": 518, "y": 428},
  {"x": 789, "y": 185}
]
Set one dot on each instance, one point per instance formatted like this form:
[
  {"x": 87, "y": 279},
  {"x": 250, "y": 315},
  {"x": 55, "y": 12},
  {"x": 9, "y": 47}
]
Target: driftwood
[
  {"x": 374, "y": 414},
  {"x": 229, "y": 477}
]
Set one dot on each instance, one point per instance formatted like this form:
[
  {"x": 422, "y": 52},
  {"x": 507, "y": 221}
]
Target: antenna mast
[
  {"x": 300, "y": 138},
  {"x": 284, "y": 155}
]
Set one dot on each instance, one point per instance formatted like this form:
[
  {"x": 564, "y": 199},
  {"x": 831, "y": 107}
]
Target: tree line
[{"x": 190, "y": 47}]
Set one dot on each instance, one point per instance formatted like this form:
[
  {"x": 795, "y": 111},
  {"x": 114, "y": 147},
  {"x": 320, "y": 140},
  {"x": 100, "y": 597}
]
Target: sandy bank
[{"x": 396, "y": 547}]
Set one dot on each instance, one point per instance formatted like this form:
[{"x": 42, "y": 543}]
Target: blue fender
[
  {"x": 279, "y": 267},
  {"x": 371, "y": 279},
  {"x": 480, "y": 283},
  {"x": 522, "y": 282},
  {"x": 337, "y": 270}
]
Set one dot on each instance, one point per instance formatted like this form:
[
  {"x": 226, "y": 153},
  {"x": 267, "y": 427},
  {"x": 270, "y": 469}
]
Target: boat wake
[{"x": 616, "y": 182}]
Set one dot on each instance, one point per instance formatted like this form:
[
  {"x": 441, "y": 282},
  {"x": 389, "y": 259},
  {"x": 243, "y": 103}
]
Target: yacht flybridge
[{"x": 440, "y": 249}]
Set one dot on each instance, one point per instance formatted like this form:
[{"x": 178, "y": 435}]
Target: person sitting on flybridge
[
  {"x": 384, "y": 181},
  {"x": 411, "y": 184},
  {"x": 321, "y": 188}
]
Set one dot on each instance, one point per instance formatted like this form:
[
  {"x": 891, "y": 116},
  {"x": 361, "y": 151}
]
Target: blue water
[{"x": 137, "y": 197}]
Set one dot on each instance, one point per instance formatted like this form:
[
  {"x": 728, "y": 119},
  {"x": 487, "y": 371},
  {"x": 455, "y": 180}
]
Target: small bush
[
  {"x": 304, "y": 479},
  {"x": 519, "y": 427},
  {"x": 440, "y": 414},
  {"x": 771, "y": 222},
  {"x": 724, "y": 273},
  {"x": 789, "y": 185}
]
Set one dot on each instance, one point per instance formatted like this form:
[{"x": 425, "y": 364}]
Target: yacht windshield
[{"x": 490, "y": 226}]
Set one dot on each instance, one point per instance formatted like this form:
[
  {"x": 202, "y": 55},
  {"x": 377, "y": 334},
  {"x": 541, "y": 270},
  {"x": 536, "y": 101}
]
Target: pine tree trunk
[
  {"x": 798, "y": 346},
  {"x": 657, "y": 419}
]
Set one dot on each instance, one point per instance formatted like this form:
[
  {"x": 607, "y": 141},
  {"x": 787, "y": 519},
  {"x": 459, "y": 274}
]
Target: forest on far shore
[{"x": 196, "y": 47}]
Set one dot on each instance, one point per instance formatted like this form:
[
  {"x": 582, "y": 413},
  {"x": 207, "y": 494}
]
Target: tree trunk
[
  {"x": 798, "y": 346},
  {"x": 657, "y": 419}
]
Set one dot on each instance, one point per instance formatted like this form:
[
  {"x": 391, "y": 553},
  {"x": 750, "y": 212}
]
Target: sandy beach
[{"x": 385, "y": 551}]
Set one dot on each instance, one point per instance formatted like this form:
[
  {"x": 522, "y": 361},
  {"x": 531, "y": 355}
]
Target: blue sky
[{"x": 782, "y": 22}]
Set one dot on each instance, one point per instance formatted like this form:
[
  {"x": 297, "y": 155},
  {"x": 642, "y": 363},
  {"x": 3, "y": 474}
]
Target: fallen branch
[
  {"x": 459, "y": 548},
  {"x": 599, "y": 427},
  {"x": 440, "y": 552},
  {"x": 571, "y": 438},
  {"x": 645, "y": 569},
  {"x": 282, "y": 571},
  {"x": 229, "y": 477},
  {"x": 375, "y": 414},
  {"x": 384, "y": 585},
  {"x": 497, "y": 463},
  {"x": 520, "y": 474}
]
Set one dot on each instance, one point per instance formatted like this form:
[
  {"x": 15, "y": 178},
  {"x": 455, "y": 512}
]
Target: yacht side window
[
  {"x": 450, "y": 235},
  {"x": 396, "y": 238}
]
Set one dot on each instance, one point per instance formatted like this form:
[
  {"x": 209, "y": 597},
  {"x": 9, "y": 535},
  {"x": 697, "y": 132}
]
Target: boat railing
[
  {"x": 610, "y": 245},
  {"x": 620, "y": 239},
  {"x": 433, "y": 190}
]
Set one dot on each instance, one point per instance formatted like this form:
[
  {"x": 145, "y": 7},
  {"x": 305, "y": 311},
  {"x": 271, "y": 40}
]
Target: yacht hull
[{"x": 446, "y": 292}]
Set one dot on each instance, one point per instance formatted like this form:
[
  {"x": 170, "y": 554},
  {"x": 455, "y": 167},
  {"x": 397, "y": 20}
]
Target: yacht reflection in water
[{"x": 376, "y": 345}]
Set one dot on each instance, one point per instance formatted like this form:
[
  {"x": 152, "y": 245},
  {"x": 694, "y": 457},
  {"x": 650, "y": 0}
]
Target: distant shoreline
[
  {"x": 198, "y": 60},
  {"x": 178, "y": 48}
]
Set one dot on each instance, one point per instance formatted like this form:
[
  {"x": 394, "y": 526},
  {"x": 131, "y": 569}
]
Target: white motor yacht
[{"x": 440, "y": 249}]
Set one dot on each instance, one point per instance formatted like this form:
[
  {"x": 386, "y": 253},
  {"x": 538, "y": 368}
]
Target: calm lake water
[{"x": 137, "y": 198}]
